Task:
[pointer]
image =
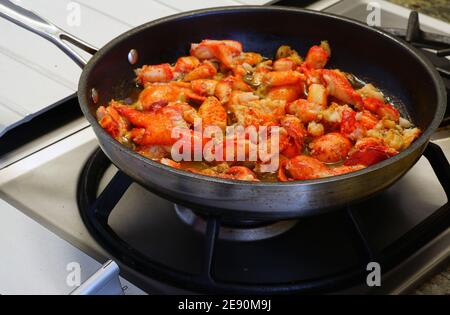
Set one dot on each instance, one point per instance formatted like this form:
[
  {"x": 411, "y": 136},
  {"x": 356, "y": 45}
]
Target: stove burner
[
  {"x": 321, "y": 254},
  {"x": 244, "y": 231}
]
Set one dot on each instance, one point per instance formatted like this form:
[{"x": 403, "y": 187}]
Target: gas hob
[{"x": 407, "y": 226}]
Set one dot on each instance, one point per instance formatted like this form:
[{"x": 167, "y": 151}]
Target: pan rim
[{"x": 417, "y": 144}]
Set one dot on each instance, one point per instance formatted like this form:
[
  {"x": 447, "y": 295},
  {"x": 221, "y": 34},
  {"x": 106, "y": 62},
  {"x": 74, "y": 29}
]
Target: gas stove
[{"x": 52, "y": 170}]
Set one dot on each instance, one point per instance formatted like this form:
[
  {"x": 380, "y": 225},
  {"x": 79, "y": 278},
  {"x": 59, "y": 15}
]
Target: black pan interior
[{"x": 368, "y": 54}]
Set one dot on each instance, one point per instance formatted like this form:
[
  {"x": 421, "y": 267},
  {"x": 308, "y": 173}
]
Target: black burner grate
[
  {"x": 217, "y": 276},
  {"x": 436, "y": 47}
]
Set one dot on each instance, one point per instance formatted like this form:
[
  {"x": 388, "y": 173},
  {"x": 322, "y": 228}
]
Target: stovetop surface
[{"x": 52, "y": 167}]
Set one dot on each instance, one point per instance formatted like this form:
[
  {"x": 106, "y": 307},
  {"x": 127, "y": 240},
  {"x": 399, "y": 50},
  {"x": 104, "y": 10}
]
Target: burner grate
[
  {"x": 436, "y": 48},
  {"x": 95, "y": 212}
]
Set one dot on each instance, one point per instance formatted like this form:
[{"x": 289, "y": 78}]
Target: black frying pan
[{"x": 397, "y": 68}]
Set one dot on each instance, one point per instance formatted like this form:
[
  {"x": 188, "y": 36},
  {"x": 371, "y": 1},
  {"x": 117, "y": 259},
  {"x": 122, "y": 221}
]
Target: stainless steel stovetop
[{"x": 40, "y": 179}]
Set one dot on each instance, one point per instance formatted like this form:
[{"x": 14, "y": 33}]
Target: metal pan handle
[{"x": 40, "y": 26}]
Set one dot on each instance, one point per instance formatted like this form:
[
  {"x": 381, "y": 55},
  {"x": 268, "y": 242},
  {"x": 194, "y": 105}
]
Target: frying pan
[{"x": 372, "y": 55}]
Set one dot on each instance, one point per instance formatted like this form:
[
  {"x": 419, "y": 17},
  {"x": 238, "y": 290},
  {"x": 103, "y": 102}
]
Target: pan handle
[{"x": 40, "y": 26}]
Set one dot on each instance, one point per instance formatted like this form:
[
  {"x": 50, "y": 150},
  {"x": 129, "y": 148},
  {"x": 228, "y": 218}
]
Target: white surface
[
  {"x": 34, "y": 260},
  {"x": 35, "y": 75}
]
